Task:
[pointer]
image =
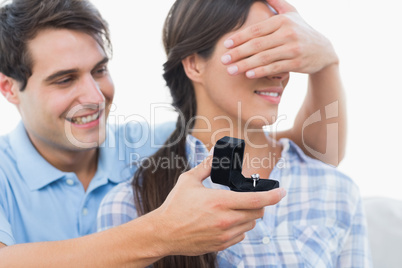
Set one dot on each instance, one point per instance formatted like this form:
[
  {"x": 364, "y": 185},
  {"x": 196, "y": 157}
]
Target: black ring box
[{"x": 227, "y": 168}]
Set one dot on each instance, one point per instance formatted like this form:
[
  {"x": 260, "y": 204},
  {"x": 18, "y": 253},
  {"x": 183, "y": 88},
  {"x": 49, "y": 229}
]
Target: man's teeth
[
  {"x": 271, "y": 94},
  {"x": 85, "y": 119}
]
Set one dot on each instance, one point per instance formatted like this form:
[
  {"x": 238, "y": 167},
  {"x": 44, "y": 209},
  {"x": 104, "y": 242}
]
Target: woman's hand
[{"x": 282, "y": 43}]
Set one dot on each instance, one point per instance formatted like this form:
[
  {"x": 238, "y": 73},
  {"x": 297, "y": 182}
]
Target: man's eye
[
  {"x": 101, "y": 71},
  {"x": 64, "y": 81}
]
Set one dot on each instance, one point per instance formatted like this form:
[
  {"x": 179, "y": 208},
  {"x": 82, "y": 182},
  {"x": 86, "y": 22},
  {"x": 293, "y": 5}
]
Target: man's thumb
[{"x": 203, "y": 170}]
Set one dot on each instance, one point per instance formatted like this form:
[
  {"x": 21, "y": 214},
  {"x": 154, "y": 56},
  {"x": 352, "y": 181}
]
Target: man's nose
[{"x": 90, "y": 91}]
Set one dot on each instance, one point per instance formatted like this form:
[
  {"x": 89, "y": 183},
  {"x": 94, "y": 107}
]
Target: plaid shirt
[{"x": 320, "y": 223}]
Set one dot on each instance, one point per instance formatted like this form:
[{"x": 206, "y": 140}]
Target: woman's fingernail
[
  {"x": 233, "y": 69},
  {"x": 250, "y": 74},
  {"x": 226, "y": 59},
  {"x": 228, "y": 43}
]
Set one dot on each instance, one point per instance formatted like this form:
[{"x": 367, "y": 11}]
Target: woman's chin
[{"x": 259, "y": 123}]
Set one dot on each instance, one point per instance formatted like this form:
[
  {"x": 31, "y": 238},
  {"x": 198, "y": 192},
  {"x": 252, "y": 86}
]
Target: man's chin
[{"x": 86, "y": 142}]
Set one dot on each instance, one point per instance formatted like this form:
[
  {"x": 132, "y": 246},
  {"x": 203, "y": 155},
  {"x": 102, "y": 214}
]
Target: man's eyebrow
[
  {"x": 64, "y": 72},
  {"x": 59, "y": 74},
  {"x": 103, "y": 61}
]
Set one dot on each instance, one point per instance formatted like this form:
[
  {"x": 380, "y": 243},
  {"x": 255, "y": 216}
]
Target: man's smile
[{"x": 85, "y": 119}]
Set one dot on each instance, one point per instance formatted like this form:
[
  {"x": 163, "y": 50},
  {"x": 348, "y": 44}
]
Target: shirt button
[
  {"x": 70, "y": 182},
  {"x": 84, "y": 211},
  {"x": 266, "y": 240}
]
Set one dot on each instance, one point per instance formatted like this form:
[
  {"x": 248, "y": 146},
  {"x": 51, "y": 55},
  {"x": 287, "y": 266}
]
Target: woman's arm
[
  {"x": 286, "y": 43},
  {"x": 320, "y": 125}
]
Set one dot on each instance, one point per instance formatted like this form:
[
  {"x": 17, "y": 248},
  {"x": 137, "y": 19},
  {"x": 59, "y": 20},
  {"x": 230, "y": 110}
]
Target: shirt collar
[
  {"x": 291, "y": 151},
  {"x": 196, "y": 151},
  {"x": 108, "y": 158},
  {"x": 35, "y": 170},
  {"x": 38, "y": 173}
]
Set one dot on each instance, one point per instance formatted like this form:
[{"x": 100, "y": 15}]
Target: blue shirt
[
  {"x": 320, "y": 223},
  {"x": 41, "y": 203}
]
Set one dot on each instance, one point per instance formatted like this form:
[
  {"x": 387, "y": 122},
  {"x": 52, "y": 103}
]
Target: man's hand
[
  {"x": 192, "y": 221},
  {"x": 283, "y": 43},
  {"x": 196, "y": 220}
]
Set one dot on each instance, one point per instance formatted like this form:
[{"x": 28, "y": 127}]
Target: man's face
[{"x": 67, "y": 99}]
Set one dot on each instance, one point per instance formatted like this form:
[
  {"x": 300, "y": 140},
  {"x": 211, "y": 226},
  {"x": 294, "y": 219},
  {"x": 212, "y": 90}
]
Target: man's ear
[
  {"x": 194, "y": 66},
  {"x": 9, "y": 88}
]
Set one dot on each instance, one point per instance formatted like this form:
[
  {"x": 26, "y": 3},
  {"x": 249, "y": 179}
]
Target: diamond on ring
[{"x": 255, "y": 177}]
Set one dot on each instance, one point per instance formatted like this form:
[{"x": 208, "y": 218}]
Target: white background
[{"x": 366, "y": 35}]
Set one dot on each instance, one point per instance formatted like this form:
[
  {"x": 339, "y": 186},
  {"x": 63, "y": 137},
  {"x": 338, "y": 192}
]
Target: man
[
  {"x": 52, "y": 173},
  {"x": 63, "y": 158}
]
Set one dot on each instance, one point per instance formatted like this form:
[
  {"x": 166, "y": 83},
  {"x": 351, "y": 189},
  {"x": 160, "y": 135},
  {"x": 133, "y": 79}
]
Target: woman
[{"x": 319, "y": 223}]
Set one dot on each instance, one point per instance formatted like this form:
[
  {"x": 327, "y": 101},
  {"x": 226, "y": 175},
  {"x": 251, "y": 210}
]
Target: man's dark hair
[{"x": 21, "y": 21}]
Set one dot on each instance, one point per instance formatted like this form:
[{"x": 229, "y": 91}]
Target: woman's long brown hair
[{"x": 192, "y": 26}]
